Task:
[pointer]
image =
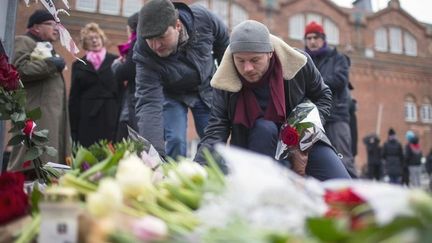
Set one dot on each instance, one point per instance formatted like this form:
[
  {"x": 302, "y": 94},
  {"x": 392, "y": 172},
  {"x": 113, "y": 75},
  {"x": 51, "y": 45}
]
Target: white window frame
[
  {"x": 230, "y": 13},
  {"x": 381, "y": 42},
  {"x": 426, "y": 113},
  {"x": 86, "y": 5},
  {"x": 410, "y": 111},
  {"x": 396, "y": 44},
  {"x": 410, "y": 44},
  {"x": 131, "y": 6},
  {"x": 297, "y": 23},
  {"x": 114, "y": 9}
]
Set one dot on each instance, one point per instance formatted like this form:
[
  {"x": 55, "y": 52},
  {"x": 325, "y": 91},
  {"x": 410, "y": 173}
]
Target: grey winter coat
[{"x": 184, "y": 73}]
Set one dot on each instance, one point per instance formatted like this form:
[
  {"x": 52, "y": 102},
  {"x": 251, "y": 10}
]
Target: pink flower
[
  {"x": 150, "y": 228},
  {"x": 9, "y": 77},
  {"x": 29, "y": 128}
]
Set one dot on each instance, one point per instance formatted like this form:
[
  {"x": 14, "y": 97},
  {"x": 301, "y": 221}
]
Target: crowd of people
[
  {"x": 401, "y": 164},
  {"x": 239, "y": 86}
]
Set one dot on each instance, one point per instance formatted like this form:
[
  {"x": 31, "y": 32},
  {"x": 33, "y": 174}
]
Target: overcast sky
[{"x": 419, "y": 9}]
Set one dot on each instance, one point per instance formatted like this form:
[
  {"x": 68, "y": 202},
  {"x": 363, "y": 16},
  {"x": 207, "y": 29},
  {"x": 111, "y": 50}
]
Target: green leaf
[
  {"x": 39, "y": 140},
  {"x": 17, "y": 139},
  {"x": 32, "y": 153},
  {"x": 327, "y": 230},
  {"x": 42, "y": 133},
  {"x": 35, "y": 114},
  {"x": 51, "y": 151},
  {"x": 16, "y": 117},
  {"x": 17, "y": 127},
  {"x": 83, "y": 155}
]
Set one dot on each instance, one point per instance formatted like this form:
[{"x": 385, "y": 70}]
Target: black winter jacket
[
  {"x": 392, "y": 154},
  {"x": 302, "y": 80},
  {"x": 334, "y": 68},
  {"x": 186, "y": 72}
]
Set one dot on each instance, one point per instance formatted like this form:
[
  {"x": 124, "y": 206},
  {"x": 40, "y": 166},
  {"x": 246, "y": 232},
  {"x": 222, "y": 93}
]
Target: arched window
[
  {"x": 229, "y": 12},
  {"x": 86, "y": 5},
  {"x": 426, "y": 111},
  {"x": 410, "y": 109},
  {"x": 395, "y": 40},
  {"x": 298, "y": 22}
]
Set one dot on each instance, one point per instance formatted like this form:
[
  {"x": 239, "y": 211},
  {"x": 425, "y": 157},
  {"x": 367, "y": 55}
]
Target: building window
[
  {"x": 410, "y": 109},
  {"x": 86, "y": 5},
  {"x": 395, "y": 40},
  {"x": 298, "y": 22},
  {"x": 410, "y": 44},
  {"x": 131, "y": 6},
  {"x": 109, "y": 7},
  {"x": 381, "y": 39},
  {"x": 228, "y": 11},
  {"x": 426, "y": 111}
]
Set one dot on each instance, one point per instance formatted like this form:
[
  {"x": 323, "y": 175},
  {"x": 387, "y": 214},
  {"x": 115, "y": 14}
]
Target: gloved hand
[{"x": 58, "y": 62}]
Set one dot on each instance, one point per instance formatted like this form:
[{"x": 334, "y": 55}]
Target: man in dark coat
[
  {"x": 174, "y": 57},
  {"x": 258, "y": 83},
  {"x": 334, "y": 68},
  {"x": 392, "y": 155},
  {"x": 40, "y": 69}
]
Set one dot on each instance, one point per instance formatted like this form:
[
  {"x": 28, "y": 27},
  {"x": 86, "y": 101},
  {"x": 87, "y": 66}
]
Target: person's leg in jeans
[
  {"x": 175, "y": 126},
  {"x": 324, "y": 164},
  {"x": 201, "y": 115},
  {"x": 263, "y": 137}
]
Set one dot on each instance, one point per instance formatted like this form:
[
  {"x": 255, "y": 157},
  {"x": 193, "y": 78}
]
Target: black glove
[{"x": 58, "y": 62}]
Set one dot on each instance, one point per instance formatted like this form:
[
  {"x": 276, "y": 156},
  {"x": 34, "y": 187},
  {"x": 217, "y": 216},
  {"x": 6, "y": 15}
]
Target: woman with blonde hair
[{"x": 94, "y": 97}]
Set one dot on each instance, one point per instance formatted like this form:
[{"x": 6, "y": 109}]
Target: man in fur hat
[{"x": 258, "y": 83}]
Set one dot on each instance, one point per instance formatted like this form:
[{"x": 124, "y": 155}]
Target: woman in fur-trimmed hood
[{"x": 259, "y": 81}]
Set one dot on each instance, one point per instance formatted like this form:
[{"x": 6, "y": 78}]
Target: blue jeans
[
  {"x": 175, "y": 124},
  {"x": 323, "y": 162}
]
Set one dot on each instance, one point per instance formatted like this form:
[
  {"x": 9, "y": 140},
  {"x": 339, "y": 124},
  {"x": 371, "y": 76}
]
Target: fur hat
[
  {"x": 314, "y": 27},
  {"x": 410, "y": 135},
  {"x": 155, "y": 17},
  {"x": 38, "y": 17},
  {"x": 391, "y": 132},
  {"x": 250, "y": 36}
]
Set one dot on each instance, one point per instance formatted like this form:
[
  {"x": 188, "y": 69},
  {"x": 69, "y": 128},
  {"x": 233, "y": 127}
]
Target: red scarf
[{"x": 247, "y": 107}]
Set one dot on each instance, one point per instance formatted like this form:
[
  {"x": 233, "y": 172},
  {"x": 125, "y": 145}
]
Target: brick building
[{"x": 390, "y": 51}]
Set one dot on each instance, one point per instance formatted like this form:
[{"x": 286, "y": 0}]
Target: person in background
[
  {"x": 413, "y": 156},
  {"x": 392, "y": 155},
  {"x": 40, "y": 69},
  {"x": 258, "y": 83},
  {"x": 124, "y": 72},
  {"x": 374, "y": 163},
  {"x": 94, "y": 96},
  {"x": 334, "y": 69},
  {"x": 175, "y": 60},
  {"x": 428, "y": 166}
]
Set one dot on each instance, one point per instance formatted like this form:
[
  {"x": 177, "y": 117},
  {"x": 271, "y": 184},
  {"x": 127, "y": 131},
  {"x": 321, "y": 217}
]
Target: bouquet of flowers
[{"x": 301, "y": 130}]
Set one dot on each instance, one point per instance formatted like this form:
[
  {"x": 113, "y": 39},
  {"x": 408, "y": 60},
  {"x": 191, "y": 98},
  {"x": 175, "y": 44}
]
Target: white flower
[
  {"x": 190, "y": 170},
  {"x": 106, "y": 200},
  {"x": 134, "y": 177}
]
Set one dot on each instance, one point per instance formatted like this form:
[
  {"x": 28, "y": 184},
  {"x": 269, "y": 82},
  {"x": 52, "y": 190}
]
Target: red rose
[
  {"x": 345, "y": 196},
  {"x": 9, "y": 77},
  {"x": 13, "y": 200},
  {"x": 290, "y": 136},
  {"x": 29, "y": 128}
]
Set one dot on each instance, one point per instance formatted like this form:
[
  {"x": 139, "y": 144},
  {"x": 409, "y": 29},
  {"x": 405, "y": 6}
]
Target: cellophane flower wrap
[{"x": 301, "y": 130}]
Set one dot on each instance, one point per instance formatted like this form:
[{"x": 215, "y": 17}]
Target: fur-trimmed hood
[{"x": 226, "y": 77}]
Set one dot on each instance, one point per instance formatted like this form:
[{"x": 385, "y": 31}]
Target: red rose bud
[
  {"x": 9, "y": 77},
  {"x": 290, "y": 136},
  {"x": 345, "y": 196},
  {"x": 29, "y": 128}
]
